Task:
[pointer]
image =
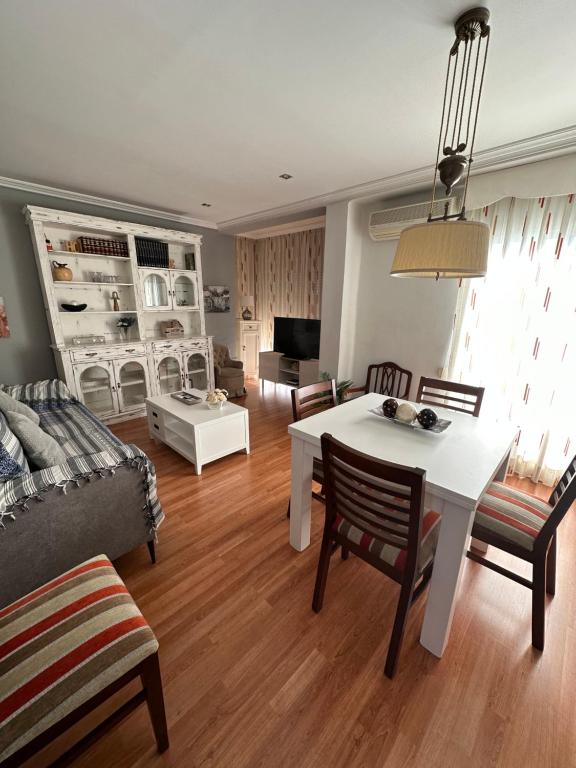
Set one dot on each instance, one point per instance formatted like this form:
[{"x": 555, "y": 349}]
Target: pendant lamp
[{"x": 448, "y": 245}]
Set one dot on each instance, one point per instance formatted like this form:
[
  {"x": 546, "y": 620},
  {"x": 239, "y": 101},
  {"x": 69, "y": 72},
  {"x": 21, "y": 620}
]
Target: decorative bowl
[{"x": 74, "y": 307}]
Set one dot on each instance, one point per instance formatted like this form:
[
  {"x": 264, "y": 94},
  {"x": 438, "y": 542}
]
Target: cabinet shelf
[
  {"x": 101, "y": 312},
  {"x": 72, "y": 284},
  {"x": 76, "y": 254}
]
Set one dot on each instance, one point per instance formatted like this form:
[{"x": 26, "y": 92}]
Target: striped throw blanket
[{"x": 90, "y": 447}]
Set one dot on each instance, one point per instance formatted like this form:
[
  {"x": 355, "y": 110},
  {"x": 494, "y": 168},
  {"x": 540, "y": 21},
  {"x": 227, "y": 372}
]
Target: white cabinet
[
  {"x": 164, "y": 289},
  {"x": 249, "y": 345},
  {"x": 113, "y": 387},
  {"x": 96, "y": 387},
  {"x": 183, "y": 365},
  {"x": 110, "y": 370},
  {"x": 132, "y": 383},
  {"x": 169, "y": 376}
]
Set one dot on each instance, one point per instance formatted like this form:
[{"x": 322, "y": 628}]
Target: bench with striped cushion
[
  {"x": 512, "y": 514},
  {"x": 64, "y": 645}
]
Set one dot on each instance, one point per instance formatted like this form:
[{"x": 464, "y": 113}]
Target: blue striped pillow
[{"x": 12, "y": 459}]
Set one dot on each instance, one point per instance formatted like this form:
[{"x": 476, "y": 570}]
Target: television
[{"x": 297, "y": 337}]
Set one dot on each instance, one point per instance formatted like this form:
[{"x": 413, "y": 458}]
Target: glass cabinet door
[
  {"x": 156, "y": 289},
  {"x": 184, "y": 289},
  {"x": 169, "y": 374},
  {"x": 132, "y": 383},
  {"x": 95, "y": 383},
  {"x": 197, "y": 371}
]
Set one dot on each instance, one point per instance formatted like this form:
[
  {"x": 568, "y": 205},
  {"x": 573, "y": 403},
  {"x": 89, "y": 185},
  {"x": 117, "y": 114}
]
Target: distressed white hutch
[{"x": 110, "y": 370}]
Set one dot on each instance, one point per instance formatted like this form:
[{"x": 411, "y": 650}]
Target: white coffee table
[{"x": 197, "y": 432}]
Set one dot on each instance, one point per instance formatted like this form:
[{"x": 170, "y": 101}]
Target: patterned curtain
[{"x": 515, "y": 330}]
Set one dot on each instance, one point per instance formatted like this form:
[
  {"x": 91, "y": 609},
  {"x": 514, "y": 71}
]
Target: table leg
[
  {"x": 448, "y": 565},
  {"x": 301, "y": 496},
  {"x": 481, "y": 546}
]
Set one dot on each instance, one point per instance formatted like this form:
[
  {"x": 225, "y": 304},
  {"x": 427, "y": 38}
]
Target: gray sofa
[{"x": 102, "y": 499}]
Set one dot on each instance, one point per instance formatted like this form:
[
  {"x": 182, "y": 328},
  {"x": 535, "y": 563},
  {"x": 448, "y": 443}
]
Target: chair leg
[
  {"x": 538, "y": 604},
  {"x": 345, "y": 552},
  {"x": 152, "y": 550},
  {"x": 398, "y": 629},
  {"x": 288, "y": 511},
  {"x": 322, "y": 574},
  {"x": 551, "y": 568},
  {"x": 152, "y": 684}
]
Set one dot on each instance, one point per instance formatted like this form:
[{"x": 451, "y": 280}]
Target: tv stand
[{"x": 281, "y": 369}]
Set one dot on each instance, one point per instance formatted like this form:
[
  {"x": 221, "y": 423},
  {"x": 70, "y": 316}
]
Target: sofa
[
  {"x": 228, "y": 373},
  {"x": 101, "y": 499}
]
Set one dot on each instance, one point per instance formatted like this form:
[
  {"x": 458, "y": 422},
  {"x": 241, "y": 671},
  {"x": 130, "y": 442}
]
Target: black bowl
[{"x": 74, "y": 307}]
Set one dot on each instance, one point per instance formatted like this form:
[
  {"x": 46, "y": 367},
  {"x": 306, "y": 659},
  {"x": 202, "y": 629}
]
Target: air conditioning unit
[{"x": 388, "y": 224}]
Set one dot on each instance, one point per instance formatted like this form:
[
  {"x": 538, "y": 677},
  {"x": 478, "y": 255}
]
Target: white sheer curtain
[{"x": 515, "y": 330}]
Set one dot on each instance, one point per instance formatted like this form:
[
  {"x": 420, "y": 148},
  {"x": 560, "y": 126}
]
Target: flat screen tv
[{"x": 296, "y": 337}]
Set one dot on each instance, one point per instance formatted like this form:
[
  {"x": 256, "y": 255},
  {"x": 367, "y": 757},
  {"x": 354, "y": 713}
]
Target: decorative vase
[
  {"x": 61, "y": 272},
  {"x": 217, "y": 406}
]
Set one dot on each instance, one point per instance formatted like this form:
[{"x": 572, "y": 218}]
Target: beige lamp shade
[{"x": 442, "y": 249}]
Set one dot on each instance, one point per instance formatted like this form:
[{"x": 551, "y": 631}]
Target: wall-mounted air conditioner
[{"x": 388, "y": 224}]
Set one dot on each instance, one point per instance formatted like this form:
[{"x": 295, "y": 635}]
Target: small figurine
[{"x": 116, "y": 301}]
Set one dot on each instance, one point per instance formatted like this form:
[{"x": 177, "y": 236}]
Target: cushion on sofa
[
  {"x": 9, "y": 403},
  {"x": 12, "y": 459},
  {"x": 40, "y": 447}
]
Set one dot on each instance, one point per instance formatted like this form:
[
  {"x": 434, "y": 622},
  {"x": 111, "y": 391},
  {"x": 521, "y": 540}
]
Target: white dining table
[{"x": 460, "y": 463}]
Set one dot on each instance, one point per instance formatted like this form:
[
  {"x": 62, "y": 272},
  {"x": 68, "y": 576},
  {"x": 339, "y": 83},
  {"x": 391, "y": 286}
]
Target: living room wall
[
  {"x": 26, "y": 355},
  {"x": 369, "y": 316}
]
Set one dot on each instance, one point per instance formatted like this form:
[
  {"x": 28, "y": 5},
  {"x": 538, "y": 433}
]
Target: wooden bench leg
[{"x": 152, "y": 684}]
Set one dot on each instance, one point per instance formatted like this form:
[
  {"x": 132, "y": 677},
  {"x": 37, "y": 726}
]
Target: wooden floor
[{"x": 254, "y": 679}]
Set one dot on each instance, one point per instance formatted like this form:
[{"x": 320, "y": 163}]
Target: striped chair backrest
[
  {"x": 450, "y": 394},
  {"x": 315, "y": 398},
  {"x": 383, "y": 500},
  {"x": 389, "y": 379}
]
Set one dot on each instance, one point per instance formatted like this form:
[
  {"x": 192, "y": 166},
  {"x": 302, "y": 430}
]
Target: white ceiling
[{"x": 175, "y": 102}]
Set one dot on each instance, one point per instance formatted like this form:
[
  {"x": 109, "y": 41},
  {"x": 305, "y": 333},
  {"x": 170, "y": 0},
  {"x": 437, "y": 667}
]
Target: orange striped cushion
[
  {"x": 513, "y": 514},
  {"x": 62, "y": 644},
  {"x": 394, "y": 556}
]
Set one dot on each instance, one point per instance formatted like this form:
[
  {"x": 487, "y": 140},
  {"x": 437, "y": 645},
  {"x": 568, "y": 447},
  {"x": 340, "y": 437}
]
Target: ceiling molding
[
  {"x": 303, "y": 225},
  {"x": 546, "y": 145},
  {"x": 103, "y": 202}
]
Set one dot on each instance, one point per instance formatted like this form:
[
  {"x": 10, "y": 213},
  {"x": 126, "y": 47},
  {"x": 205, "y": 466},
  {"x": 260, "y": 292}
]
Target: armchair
[{"x": 228, "y": 373}]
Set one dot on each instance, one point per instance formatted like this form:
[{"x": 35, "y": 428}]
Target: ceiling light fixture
[
  {"x": 285, "y": 176},
  {"x": 448, "y": 245}
]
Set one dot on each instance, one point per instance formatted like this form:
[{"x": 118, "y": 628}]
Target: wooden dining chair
[
  {"x": 525, "y": 526},
  {"x": 386, "y": 379},
  {"x": 307, "y": 401},
  {"x": 444, "y": 394},
  {"x": 375, "y": 510}
]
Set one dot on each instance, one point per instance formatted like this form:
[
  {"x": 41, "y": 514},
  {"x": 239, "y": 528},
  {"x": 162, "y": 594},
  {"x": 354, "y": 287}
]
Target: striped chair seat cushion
[
  {"x": 62, "y": 644},
  {"x": 514, "y": 515},
  {"x": 394, "y": 556}
]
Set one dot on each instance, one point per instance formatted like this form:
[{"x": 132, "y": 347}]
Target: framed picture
[
  {"x": 4, "y": 328},
  {"x": 216, "y": 298}
]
